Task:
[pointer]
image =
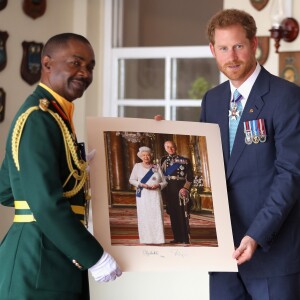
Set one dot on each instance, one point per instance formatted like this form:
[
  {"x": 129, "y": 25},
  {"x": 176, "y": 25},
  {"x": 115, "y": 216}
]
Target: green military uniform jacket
[{"x": 49, "y": 257}]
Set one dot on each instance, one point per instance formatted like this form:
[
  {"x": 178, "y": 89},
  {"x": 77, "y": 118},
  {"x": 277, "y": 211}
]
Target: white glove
[
  {"x": 106, "y": 269},
  {"x": 89, "y": 158},
  {"x": 90, "y": 155},
  {"x": 184, "y": 192}
]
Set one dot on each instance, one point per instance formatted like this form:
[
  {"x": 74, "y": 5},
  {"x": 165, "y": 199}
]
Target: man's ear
[
  {"x": 212, "y": 49},
  {"x": 46, "y": 62},
  {"x": 254, "y": 43}
]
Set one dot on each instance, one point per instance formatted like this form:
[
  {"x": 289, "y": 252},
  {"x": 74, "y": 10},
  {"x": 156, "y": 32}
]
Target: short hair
[
  {"x": 144, "y": 149},
  {"x": 230, "y": 17},
  {"x": 61, "y": 40},
  {"x": 170, "y": 141}
]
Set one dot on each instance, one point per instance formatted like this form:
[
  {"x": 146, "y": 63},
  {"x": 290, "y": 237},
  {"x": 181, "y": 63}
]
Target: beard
[{"x": 238, "y": 70}]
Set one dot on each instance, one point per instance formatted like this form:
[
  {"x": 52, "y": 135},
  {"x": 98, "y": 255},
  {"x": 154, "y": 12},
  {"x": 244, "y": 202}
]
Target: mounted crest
[
  {"x": 262, "y": 51},
  {"x": 2, "y": 104},
  {"x": 289, "y": 64},
  {"x": 3, "y": 4},
  {"x": 259, "y": 4},
  {"x": 3, "y": 57},
  {"x": 34, "y": 8},
  {"x": 31, "y": 62}
]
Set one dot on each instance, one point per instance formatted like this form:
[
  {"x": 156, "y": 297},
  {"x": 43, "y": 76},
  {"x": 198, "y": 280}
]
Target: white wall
[{"x": 86, "y": 17}]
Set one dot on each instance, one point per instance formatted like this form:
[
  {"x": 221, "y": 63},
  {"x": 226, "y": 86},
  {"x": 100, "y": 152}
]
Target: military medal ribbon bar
[
  {"x": 248, "y": 134},
  {"x": 255, "y": 134},
  {"x": 262, "y": 130},
  {"x": 255, "y": 131}
]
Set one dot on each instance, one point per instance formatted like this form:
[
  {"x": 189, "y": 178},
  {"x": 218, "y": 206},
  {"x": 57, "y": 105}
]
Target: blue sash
[
  {"x": 144, "y": 180},
  {"x": 169, "y": 170}
]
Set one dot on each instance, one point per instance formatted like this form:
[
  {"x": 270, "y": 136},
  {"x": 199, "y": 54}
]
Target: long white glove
[{"x": 106, "y": 269}]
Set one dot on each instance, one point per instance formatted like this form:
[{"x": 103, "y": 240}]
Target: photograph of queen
[{"x": 149, "y": 181}]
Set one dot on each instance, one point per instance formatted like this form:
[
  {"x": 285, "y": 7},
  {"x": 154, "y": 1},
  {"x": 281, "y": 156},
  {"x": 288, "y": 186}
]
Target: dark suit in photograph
[
  {"x": 179, "y": 174},
  {"x": 263, "y": 179}
]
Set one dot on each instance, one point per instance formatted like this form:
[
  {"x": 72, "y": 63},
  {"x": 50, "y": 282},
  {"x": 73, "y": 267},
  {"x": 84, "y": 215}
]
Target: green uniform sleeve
[{"x": 43, "y": 170}]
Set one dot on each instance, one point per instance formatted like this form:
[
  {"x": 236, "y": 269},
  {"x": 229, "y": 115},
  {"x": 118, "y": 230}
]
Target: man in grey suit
[{"x": 262, "y": 163}]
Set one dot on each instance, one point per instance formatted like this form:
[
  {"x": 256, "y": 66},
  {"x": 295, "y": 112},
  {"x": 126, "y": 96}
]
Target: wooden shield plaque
[
  {"x": 3, "y": 4},
  {"x": 262, "y": 51},
  {"x": 34, "y": 8},
  {"x": 259, "y": 4},
  {"x": 31, "y": 62},
  {"x": 3, "y": 57},
  {"x": 289, "y": 66},
  {"x": 2, "y": 104}
]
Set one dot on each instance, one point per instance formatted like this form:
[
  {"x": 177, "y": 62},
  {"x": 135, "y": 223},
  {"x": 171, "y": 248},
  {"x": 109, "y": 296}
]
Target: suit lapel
[{"x": 251, "y": 111}]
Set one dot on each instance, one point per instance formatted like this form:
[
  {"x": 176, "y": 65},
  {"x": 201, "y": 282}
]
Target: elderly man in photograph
[{"x": 179, "y": 175}]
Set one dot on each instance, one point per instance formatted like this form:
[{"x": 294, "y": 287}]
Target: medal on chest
[
  {"x": 234, "y": 113},
  {"x": 248, "y": 133},
  {"x": 262, "y": 130},
  {"x": 255, "y": 131}
]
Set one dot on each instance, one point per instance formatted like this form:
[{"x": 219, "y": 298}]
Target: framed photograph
[
  {"x": 144, "y": 196},
  {"x": 289, "y": 66}
]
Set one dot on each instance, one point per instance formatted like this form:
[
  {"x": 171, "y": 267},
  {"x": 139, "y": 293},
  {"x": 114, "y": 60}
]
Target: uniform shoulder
[{"x": 163, "y": 158}]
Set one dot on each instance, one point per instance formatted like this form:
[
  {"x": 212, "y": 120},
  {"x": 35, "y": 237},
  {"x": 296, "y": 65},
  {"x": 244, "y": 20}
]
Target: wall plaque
[
  {"x": 3, "y": 4},
  {"x": 2, "y": 104},
  {"x": 31, "y": 62},
  {"x": 259, "y": 4},
  {"x": 262, "y": 51},
  {"x": 3, "y": 57},
  {"x": 34, "y": 8}
]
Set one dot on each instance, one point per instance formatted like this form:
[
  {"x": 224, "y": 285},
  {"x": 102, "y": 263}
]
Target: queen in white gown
[{"x": 149, "y": 181}]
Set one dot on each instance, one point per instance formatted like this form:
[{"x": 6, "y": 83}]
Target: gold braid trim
[
  {"x": 17, "y": 132},
  {"x": 71, "y": 153}
]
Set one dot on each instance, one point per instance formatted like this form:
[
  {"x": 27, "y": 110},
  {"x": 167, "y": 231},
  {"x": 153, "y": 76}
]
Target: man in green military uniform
[{"x": 47, "y": 251}]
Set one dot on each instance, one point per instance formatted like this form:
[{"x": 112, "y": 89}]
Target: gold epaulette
[{"x": 79, "y": 175}]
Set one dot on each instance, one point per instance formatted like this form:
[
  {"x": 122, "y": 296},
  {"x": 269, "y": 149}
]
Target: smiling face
[
  {"x": 68, "y": 70},
  {"x": 146, "y": 157},
  {"x": 170, "y": 147},
  {"x": 234, "y": 53}
]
